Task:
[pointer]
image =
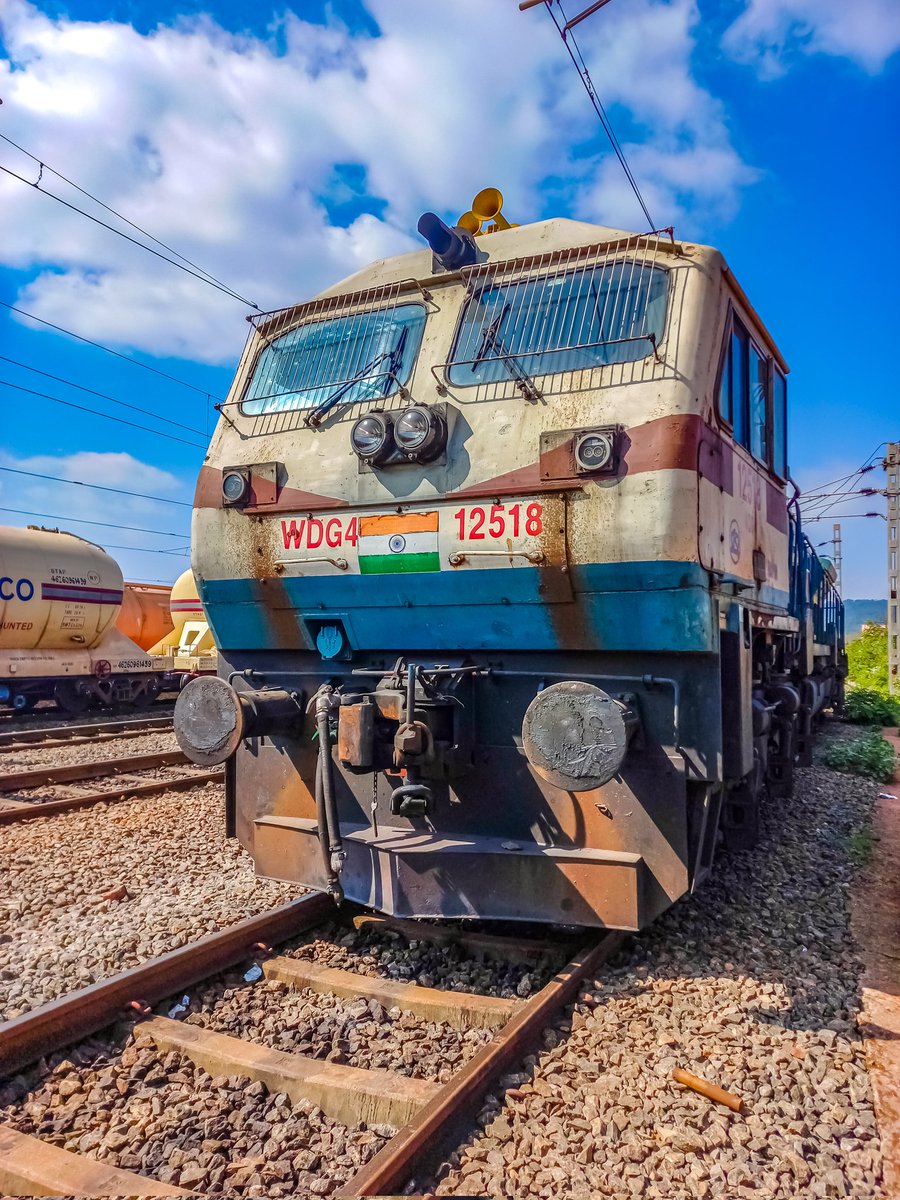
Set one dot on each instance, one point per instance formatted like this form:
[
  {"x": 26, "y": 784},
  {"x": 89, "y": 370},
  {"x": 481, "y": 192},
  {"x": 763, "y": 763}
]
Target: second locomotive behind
[{"x": 515, "y": 617}]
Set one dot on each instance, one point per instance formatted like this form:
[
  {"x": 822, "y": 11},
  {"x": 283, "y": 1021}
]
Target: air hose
[{"x": 326, "y": 805}]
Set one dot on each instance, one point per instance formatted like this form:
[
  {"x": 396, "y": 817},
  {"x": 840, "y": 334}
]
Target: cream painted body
[{"x": 651, "y": 515}]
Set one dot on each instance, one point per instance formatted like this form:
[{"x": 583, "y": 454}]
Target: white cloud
[
  {"x": 227, "y": 148},
  {"x": 769, "y": 32},
  {"x": 68, "y": 507}
]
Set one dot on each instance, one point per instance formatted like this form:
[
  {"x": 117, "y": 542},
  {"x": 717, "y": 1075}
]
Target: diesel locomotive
[{"x": 498, "y": 543}]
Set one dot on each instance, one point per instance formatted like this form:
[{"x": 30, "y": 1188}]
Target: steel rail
[
  {"x": 419, "y": 1142},
  {"x": 44, "y": 776},
  {"x": 28, "y": 811},
  {"x": 73, "y": 735},
  {"x": 53, "y": 1026}
]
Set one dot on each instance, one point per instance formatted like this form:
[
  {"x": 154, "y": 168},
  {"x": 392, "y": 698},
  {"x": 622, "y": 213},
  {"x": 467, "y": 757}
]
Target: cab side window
[{"x": 753, "y": 399}]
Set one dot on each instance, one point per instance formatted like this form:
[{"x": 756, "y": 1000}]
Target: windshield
[
  {"x": 368, "y": 355},
  {"x": 612, "y": 313}
]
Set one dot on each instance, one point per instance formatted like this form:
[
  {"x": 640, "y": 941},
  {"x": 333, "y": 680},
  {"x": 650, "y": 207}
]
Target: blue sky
[{"x": 284, "y": 153}]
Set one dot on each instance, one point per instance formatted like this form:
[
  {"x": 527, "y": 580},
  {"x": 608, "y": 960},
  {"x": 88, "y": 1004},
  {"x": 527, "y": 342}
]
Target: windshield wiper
[
  {"x": 491, "y": 340},
  {"x": 395, "y": 361}
]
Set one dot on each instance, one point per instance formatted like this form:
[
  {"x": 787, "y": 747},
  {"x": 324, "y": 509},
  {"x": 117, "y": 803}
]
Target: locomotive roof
[
  {"x": 521, "y": 241},
  {"x": 525, "y": 241}
]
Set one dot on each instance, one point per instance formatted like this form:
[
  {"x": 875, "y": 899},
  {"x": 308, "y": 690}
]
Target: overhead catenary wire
[
  {"x": 96, "y": 412},
  {"x": 23, "y": 512},
  {"x": 102, "y": 395},
  {"x": 574, "y": 51},
  {"x": 128, "y": 238},
  {"x": 97, "y": 487},
  {"x": 71, "y": 182},
  {"x": 180, "y": 552},
  {"x": 108, "y": 350}
]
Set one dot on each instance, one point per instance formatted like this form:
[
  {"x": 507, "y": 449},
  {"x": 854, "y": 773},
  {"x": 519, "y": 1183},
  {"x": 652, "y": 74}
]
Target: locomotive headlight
[
  {"x": 419, "y": 433},
  {"x": 235, "y": 487},
  {"x": 371, "y": 438},
  {"x": 594, "y": 451}
]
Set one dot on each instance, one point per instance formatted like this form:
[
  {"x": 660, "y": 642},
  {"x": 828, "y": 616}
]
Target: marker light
[
  {"x": 594, "y": 451},
  {"x": 235, "y": 487},
  {"x": 371, "y": 438},
  {"x": 419, "y": 433}
]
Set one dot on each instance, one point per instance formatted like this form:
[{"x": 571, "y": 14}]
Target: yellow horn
[
  {"x": 470, "y": 222},
  {"x": 486, "y": 207}
]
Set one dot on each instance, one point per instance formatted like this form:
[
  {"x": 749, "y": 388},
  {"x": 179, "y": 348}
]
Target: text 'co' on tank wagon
[{"x": 515, "y": 618}]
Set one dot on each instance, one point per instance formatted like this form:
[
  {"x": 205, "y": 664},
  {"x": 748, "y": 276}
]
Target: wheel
[
  {"x": 70, "y": 697},
  {"x": 145, "y": 695}
]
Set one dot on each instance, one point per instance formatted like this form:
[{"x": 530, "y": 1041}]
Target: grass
[
  {"x": 870, "y": 756},
  {"x": 861, "y": 846}
]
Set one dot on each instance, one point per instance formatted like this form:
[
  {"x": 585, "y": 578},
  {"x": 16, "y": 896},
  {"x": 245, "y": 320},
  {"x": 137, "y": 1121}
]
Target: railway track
[
  {"x": 426, "y": 1118},
  {"x": 50, "y": 736},
  {"x": 128, "y": 774}
]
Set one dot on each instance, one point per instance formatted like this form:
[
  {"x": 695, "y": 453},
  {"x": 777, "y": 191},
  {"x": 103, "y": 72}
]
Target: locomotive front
[{"x": 446, "y": 537}]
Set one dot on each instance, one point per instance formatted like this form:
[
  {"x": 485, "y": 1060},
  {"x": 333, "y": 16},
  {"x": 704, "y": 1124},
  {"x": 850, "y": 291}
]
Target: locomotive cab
[{"x": 514, "y": 618}]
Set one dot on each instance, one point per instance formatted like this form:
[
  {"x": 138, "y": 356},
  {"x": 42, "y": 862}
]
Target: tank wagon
[
  {"x": 60, "y": 597},
  {"x": 145, "y": 616},
  {"x": 515, "y": 615},
  {"x": 189, "y": 641}
]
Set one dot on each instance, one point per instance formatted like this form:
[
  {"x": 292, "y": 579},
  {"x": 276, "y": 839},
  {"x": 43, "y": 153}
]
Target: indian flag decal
[{"x": 395, "y": 543}]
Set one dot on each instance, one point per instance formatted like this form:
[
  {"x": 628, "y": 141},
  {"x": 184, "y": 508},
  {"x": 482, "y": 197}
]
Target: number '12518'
[{"x": 500, "y": 521}]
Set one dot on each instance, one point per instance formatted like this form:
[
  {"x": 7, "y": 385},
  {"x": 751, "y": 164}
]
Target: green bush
[
  {"x": 869, "y": 755},
  {"x": 865, "y": 707},
  {"x": 867, "y": 659}
]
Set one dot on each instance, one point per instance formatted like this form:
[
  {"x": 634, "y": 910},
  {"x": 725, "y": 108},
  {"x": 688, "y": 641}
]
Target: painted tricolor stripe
[
  {"x": 392, "y": 543},
  {"x": 81, "y": 593}
]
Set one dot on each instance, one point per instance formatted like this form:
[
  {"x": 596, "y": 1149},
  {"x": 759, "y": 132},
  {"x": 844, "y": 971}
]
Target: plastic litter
[
  {"x": 253, "y": 974},
  {"x": 181, "y": 1007}
]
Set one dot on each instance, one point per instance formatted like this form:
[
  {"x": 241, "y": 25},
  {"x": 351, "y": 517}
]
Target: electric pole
[
  {"x": 892, "y": 492},
  {"x": 838, "y": 556}
]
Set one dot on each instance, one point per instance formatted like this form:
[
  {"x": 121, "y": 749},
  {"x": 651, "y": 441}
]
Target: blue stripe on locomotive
[{"x": 659, "y": 606}]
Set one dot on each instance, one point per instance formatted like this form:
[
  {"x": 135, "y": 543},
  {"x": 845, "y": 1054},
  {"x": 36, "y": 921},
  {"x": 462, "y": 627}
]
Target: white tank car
[
  {"x": 190, "y": 640},
  {"x": 59, "y": 599}
]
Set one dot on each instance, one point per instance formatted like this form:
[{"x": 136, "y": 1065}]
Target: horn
[
  {"x": 470, "y": 222},
  {"x": 486, "y": 207}
]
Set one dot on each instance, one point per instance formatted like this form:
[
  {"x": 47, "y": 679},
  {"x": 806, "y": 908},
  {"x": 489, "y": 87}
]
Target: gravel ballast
[
  {"x": 751, "y": 984},
  {"x": 356, "y": 1032},
  {"x": 33, "y": 757},
  {"x": 161, "y": 1116},
  {"x": 183, "y": 879},
  {"x": 377, "y": 952}
]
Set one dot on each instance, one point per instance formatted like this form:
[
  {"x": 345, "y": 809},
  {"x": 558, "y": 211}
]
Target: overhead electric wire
[
  {"x": 565, "y": 32},
  {"x": 115, "y": 213},
  {"x": 22, "y": 512},
  {"x": 128, "y": 238},
  {"x": 108, "y": 350},
  {"x": 102, "y": 395},
  {"x": 843, "y": 516},
  {"x": 181, "y": 553},
  {"x": 98, "y": 487},
  {"x": 96, "y": 412}
]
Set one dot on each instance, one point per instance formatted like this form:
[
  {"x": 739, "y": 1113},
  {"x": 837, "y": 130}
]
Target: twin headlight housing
[{"x": 417, "y": 434}]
